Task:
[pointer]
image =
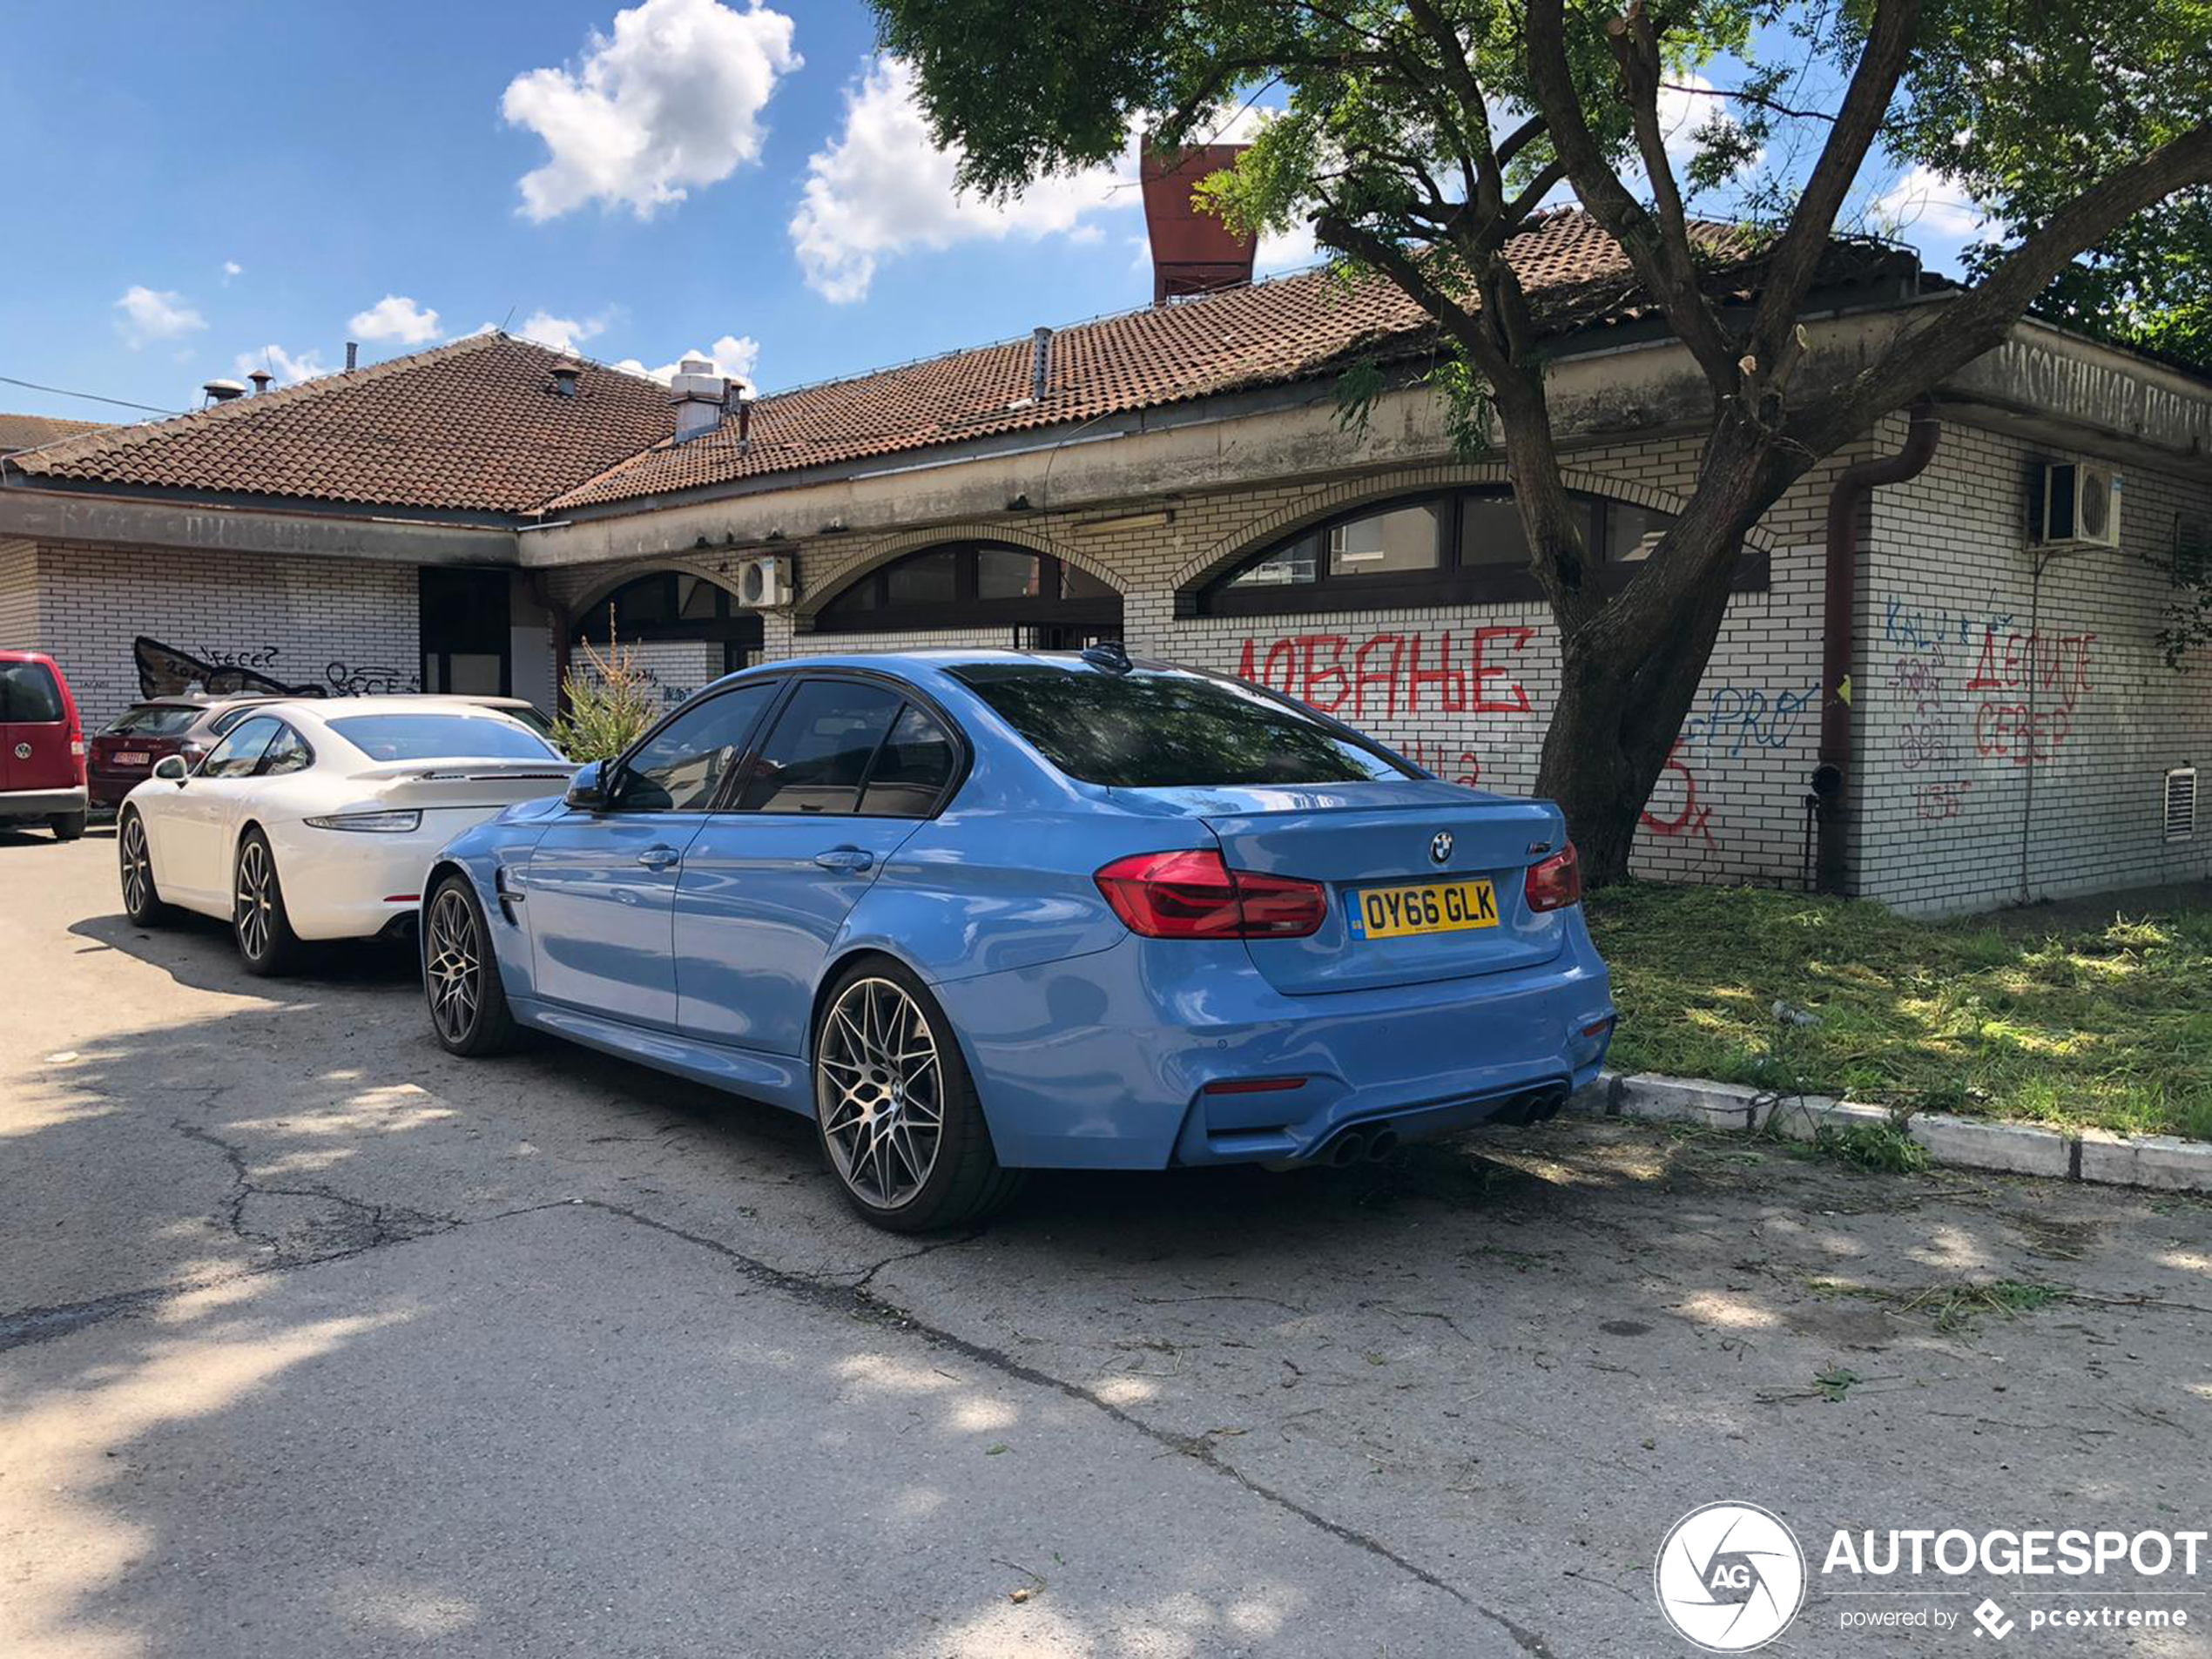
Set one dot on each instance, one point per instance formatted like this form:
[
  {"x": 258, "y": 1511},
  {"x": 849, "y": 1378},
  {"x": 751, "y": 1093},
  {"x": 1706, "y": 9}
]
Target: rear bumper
[
  {"x": 1101, "y": 1062},
  {"x": 41, "y": 803},
  {"x": 351, "y": 883},
  {"x": 107, "y": 789}
]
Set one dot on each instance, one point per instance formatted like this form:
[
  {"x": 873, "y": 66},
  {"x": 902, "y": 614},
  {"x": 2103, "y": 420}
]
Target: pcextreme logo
[{"x": 1730, "y": 1577}]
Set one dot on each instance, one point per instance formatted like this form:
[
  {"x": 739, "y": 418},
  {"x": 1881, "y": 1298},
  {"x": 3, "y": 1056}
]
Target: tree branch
[
  {"x": 1738, "y": 95},
  {"x": 1980, "y": 320},
  {"x": 1795, "y": 260},
  {"x": 1663, "y": 260}
]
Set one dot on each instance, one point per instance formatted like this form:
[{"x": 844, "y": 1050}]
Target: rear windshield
[
  {"x": 155, "y": 720},
  {"x": 439, "y": 737},
  {"x": 1165, "y": 729},
  {"x": 28, "y": 694}
]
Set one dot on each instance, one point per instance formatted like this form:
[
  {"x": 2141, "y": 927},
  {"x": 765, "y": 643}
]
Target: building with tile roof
[{"x": 1180, "y": 476}]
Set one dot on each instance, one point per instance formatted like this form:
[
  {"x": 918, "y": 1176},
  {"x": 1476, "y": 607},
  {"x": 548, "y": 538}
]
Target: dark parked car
[
  {"x": 42, "y": 745},
  {"x": 123, "y": 756}
]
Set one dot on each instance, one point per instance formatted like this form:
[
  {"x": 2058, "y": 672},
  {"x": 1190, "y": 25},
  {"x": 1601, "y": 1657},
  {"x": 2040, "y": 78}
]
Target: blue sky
[{"x": 206, "y": 187}]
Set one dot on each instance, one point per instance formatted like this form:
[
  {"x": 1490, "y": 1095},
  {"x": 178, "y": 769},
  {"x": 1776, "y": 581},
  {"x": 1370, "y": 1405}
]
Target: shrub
[{"x": 610, "y": 701}]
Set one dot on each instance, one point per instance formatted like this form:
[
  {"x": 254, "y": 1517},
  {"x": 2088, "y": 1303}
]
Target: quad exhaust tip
[{"x": 1347, "y": 1149}]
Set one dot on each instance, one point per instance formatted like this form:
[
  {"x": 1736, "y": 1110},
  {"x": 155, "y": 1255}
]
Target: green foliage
[
  {"x": 1887, "y": 1148},
  {"x": 2023, "y": 107},
  {"x": 2067, "y": 1016},
  {"x": 610, "y": 701}
]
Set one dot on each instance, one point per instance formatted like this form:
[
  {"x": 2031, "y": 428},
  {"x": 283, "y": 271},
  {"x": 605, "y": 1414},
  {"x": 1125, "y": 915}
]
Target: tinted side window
[
  {"x": 28, "y": 694},
  {"x": 911, "y": 770},
  {"x": 680, "y": 767},
  {"x": 814, "y": 760},
  {"x": 287, "y": 752},
  {"x": 237, "y": 755}
]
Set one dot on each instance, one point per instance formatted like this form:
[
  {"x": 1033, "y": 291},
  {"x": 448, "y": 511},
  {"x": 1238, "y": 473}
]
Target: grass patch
[
  {"x": 2105, "y": 1023},
  {"x": 1960, "y": 1306}
]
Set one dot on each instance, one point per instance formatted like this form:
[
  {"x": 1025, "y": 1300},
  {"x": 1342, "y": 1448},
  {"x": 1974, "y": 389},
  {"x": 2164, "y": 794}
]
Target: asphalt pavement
[{"x": 314, "y": 1341}]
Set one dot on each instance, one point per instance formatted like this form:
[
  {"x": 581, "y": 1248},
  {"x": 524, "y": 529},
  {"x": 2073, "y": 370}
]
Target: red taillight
[
  {"x": 1195, "y": 895},
  {"x": 1253, "y": 1085},
  {"x": 1555, "y": 883}
]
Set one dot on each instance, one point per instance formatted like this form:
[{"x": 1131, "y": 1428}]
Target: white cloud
[
  {"x": 1287, "y": 251},
  {"x": 395, "y": 317},
  {"x": 289, "y": 370},
  {"x": 231, "y": 268},
  {"x": 671, "y": 99},
  {"x": 156, "y": 313},
  {"x": 1922, "y": 200},
  {"x": 733, "y": 354},
  {"x": 562, "y": 333},
  {"x": 881, "y": 188}
]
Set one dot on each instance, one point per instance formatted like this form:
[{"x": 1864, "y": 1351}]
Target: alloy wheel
[
  {"x": 256, "y": 898},
  {"x": 454, "y": 966},
  {"x": 137, "y": 872},
  {"x": 879, "y": 1087}
]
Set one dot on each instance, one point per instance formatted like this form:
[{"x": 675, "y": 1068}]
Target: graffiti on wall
[
  {"x": 1676, "y": 808},
  {"x": 165, "y": 670},
  {"x": 1389, "y": 673},
  {"x": 1737, "y": 717},
  {"x": 2029, "y": 685}
]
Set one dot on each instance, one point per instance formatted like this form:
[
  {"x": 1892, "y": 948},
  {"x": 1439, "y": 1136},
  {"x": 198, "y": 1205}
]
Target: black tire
[
  {"x": 67, "y": 826},
  {"x": 141, "y": 898},
  {"x": 259, "y": 926},
  {"x": 962, "y": 1181},
  {"x": 467, "y": 1003}
]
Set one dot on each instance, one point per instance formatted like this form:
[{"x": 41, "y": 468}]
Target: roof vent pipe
[
  {"x": 352, "y": 355},
  {"x": 222, "y": 391},
  {"x": 1039, "y": 363},
  {"x": 260, "y": 377}
]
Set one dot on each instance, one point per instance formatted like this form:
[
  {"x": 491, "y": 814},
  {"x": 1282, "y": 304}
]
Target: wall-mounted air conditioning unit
[
  {"x": 2074, "y": 503},
  {"x": 764, "y": 581}
]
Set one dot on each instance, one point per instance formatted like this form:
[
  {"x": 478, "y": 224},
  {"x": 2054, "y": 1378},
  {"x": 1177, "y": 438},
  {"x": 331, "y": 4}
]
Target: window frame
[
  {"x": 965, "y": 610},
  {"x": 261, "y": 766},
  {"x": 787, "y": 682},
  {"x": 731, "y": 625},
  {"x": 1449, "y": 583},
  {"x": 745, "y": 749},
  {"x": 208, "y": 759}
]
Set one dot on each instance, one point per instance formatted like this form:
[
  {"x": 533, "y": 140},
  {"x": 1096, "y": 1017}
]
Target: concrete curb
[{"x": 2164, "y": 1162}]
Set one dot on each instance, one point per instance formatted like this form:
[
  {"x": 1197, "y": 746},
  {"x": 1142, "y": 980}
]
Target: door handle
[
  {"x": 658, "y": 858},
  {"x": 845, "y": 858}
]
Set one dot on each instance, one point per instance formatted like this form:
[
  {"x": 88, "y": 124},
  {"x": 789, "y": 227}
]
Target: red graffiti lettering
[
  {"x": 1512, "y": 697},
  {"x": 1388, "y": 674},
  {"x": 1694, "y": 816},
  {"x": 1937, "y": 802},
  {"x": 2024, "y": 738}
]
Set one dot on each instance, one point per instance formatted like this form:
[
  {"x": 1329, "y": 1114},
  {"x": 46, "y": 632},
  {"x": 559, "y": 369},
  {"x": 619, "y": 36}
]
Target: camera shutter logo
[{"x": 1731, "y": 1577}]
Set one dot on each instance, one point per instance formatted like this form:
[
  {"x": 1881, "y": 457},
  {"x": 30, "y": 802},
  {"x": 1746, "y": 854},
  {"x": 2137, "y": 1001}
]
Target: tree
[
  {"x": 1419, "y": 136},
  {"x": 609, "y": 701}
]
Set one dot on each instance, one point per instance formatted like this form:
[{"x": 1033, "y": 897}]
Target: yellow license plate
[{"x": 1430, "y": 908}]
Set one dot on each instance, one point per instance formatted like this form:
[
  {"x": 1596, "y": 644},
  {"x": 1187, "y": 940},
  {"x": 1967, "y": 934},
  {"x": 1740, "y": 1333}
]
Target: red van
[{"x": 42, "y": 746}]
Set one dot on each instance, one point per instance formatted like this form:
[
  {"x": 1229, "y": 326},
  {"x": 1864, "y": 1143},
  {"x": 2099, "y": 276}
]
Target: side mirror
[
  {"x": 587, "y": 791},
  {"x": 172, "y": 769}
]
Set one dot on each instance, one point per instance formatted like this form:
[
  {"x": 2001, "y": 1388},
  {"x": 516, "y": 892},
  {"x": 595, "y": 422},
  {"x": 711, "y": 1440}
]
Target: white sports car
[{"x": 318, "y": 819}]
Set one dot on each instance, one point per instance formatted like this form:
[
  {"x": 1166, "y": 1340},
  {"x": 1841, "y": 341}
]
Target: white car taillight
[{"x": 394, "y": 823}]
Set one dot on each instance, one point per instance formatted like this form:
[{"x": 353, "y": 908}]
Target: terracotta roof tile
[
  {"x": 29, "y": 431},
  {"x": 1269, "y": 333},
  {"x": 475, "y": 426}
]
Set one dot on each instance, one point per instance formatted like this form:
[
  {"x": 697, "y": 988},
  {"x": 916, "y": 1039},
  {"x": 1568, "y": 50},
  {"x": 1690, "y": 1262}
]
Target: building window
[
  {"x": 672, "y": 605},
  {"x": 972, "y": 584},
  {"x": 1465, "y": 546}
]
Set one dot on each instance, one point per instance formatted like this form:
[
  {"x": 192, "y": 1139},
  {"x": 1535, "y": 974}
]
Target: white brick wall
[
  {"x": 1992, "y": 719},
  {"x": 18, "y": 595},
  {"x": 347, "y": 624},
  {"x": 1727, "y": 809}
]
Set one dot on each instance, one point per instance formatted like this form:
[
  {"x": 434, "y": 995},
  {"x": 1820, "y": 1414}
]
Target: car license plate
[
  {"x": 132, "y": 757},
  {"x": 1429, "y": 907}
]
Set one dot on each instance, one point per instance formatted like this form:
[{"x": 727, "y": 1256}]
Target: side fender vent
[{"x": 2180, "y": 804}]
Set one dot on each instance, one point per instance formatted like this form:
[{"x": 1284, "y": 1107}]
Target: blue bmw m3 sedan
[{"x": 980, "y": 912}]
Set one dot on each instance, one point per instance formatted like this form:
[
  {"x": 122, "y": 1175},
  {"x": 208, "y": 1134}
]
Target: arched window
[
  {"x": 668, "y": 604},
  {"x": 1458, "y": 547},
  {"x": 968, "y": 584}
]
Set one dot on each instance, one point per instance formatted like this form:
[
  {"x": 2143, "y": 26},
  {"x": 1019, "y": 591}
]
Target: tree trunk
[{"x": 1622, "y": 704}]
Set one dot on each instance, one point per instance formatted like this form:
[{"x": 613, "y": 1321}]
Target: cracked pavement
[{"x": 315, "y": 1339}]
